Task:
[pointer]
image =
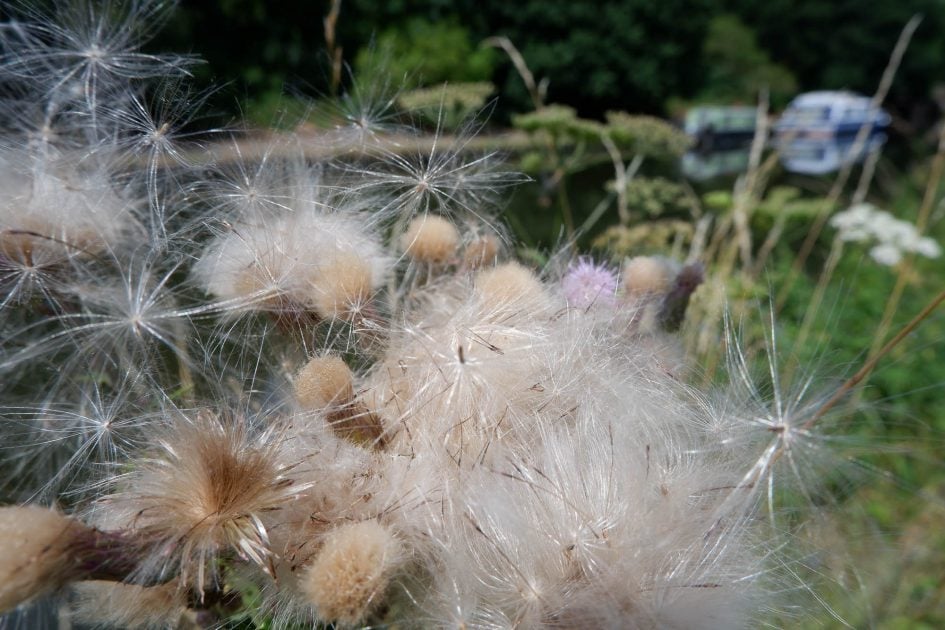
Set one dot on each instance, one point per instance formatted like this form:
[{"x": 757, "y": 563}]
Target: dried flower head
[
  {"x": 117, "y": 605},
  {"x": 645, "y": 275},
  {"x": 323, "y": 262},
  {"x": 351, "y": 572},
  {"x": 481, "y": 251},
  {"x": 50, "y": 213},
  {"x": 343, "y": 286},
  {"x": 510, "y": 286},
  {"x": 324, "y": 382},
  {"x": 204, "y": 493},
  {"x": 430, "y": 239},
  {"x": 35, "y": 556}
]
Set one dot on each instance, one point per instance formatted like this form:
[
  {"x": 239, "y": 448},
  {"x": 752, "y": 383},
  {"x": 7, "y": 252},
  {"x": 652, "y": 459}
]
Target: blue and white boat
[{"x": 829, "y": 114}]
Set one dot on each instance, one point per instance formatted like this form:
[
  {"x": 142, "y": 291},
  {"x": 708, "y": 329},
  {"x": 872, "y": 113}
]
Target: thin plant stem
[
  {"x": 565, "y": 204},
  {"x": 186, "y": 376},
  {"x": 623, "y": 175},
  {"x": 334, "y": 51},
  {"x": 597, "y": 212},
  {"x": 534, "y": 89},
  {"x": 836, "y": 252},
  {"x": 871, "y": 362},
  {"x": 866, "y": 177},
  {"x": 745, "y": 200}
]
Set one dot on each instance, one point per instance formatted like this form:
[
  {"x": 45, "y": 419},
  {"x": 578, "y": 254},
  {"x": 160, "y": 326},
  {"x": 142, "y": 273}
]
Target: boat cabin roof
[{"x": 830, "y": 98}]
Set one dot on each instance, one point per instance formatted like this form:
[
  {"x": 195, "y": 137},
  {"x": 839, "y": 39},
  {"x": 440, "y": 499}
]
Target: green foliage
[
  {"x": 263, "y": 47},
  {"x": 656, "y": 196},
  {"x": 647, "y": 136},
  {"x": 634, "y": 54},
  {"x": 447, "y": 105},
  {"x": 718, "y": 200},
  {"x": 561, "y": 122},
  {"x": 785, "y": 205},
  {"x": 846, "y": 45},
  {"x": 275, "y": 110},
  {"x": 421, "y": 52},
  {"x": 598, "y": 55},
  {"x": 660, "y": 237},
  {"x": 737, "y": 68}
]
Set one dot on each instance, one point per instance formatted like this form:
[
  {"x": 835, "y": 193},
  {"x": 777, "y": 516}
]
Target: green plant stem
[
  {"x": 597, "y": 212},
  {"x": 330, "y": 24},
  {"x": 534, "y": 89},
  {"x": 565, "y": 204},
  {"x": 746, "y": 197},
  {"x": 871, "y": 362}
]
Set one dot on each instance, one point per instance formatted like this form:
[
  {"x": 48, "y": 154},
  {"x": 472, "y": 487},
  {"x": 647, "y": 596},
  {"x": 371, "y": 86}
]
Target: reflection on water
[
  {"x": 702, "y": 165},
  {"x": 808, "y": 156},
  {"x": 812, "y": 156}
]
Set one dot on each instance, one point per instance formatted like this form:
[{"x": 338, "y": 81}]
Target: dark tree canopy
[{"x": 618, "y": 54}]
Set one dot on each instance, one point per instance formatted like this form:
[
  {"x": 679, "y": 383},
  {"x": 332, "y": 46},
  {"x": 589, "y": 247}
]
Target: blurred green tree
[
  {"x": 421, "y": 52},
  {"x": 737, "y": 68}
]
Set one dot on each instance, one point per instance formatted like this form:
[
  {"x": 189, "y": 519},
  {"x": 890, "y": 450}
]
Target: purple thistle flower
[{"x": 588, "y": 283}]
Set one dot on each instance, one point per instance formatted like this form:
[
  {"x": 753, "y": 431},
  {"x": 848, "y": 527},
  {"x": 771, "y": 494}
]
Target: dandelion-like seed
[
  {"x": 92, "y": 45},
  {"x": 311, "y": 259},
  {"x": 439, "y": 179}
]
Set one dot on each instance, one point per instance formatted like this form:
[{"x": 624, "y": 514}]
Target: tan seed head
[
  {"x": 509, "y": 284},
  {"x": 482, "y": 251},
  {"x": 351, "y": 572},
  {"x": 430, "y": 239},
  {"x": 644, "y": 275},
  {"x": 35, "y": 553},
  {"x": 324, "y": 382},
  {"x": 342, "y": 286}
]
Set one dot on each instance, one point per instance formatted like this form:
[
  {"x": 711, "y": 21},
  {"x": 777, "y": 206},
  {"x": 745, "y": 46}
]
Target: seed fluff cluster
[{"x": 302, "y": 392}]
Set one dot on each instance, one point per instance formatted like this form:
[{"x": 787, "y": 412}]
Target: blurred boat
[
  {"x": 829, "y": 114},
  {"x": 717, "y": 128}
]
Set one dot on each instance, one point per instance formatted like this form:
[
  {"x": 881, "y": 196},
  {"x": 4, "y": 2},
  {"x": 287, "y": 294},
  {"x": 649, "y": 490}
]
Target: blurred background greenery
[
  {"x": 593, "y": 134},
  {"x": 639, "y": 55}
]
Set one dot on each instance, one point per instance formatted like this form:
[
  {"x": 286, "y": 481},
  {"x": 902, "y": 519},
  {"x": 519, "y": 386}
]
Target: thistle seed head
[
  {"x": 203, "y": 493},
  {"x": 351, "y": 572},
  {"x": 430, "y": 239},
  {"x": 324, "y": 382},
  {"x": 35, "y": 556}
]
